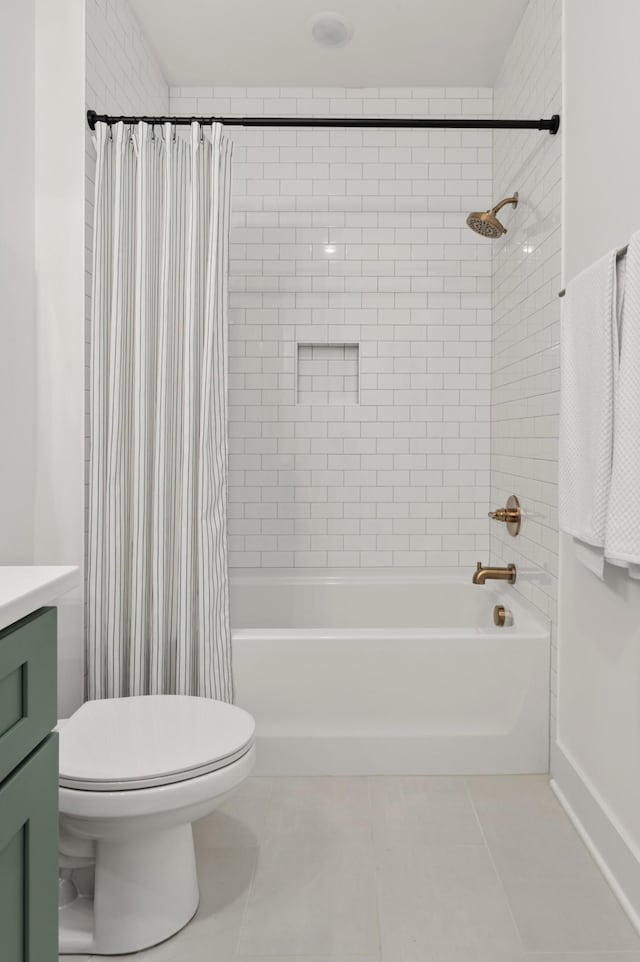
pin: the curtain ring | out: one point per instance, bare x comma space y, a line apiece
153, 133
201, 133
175, 132
111, 132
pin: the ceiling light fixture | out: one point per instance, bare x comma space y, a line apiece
331, 29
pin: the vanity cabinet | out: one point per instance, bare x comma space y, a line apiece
28, 790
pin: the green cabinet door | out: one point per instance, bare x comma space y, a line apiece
29, 858
27, 686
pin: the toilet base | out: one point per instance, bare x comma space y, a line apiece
145, 890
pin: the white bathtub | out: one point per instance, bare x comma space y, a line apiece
389, 673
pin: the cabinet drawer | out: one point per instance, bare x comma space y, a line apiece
29, 858
28, 698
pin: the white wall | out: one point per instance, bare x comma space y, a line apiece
17, 282
59, 187
597, 757
526, 311
345, 237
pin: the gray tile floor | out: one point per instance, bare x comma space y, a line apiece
484, 869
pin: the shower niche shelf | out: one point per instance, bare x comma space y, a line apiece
328, 374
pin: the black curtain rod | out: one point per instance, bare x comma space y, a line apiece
462, 123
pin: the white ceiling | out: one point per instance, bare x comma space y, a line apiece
268, 42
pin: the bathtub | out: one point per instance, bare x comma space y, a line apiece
389, 673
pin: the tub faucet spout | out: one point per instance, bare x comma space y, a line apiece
481, 575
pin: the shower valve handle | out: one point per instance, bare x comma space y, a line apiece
504, 514
510, 515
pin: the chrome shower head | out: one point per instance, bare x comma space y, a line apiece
486, 222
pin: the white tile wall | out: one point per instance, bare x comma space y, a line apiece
526, 309
358, 236
123, 75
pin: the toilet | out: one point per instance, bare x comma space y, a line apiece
134, 774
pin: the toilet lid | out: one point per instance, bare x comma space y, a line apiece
119, 744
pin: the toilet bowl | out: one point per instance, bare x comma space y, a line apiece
134, 774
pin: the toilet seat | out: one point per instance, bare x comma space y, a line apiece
125, 744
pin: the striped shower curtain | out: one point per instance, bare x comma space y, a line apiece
158, 608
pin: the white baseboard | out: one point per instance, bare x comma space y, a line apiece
605, 841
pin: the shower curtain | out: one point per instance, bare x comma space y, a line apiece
158, 608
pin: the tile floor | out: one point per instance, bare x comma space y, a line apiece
483, 869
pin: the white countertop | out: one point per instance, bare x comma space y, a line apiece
25, 588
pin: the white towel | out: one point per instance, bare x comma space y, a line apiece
589, 360
622, 543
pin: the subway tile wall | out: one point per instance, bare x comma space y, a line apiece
526, 311
122, 73
357, 237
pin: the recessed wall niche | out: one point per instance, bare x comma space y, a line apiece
328, 374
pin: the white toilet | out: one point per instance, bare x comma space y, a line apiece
134, 774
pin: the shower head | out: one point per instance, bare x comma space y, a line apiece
486, 222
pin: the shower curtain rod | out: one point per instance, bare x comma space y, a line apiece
551, 124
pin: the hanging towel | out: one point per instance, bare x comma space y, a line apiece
589, 360
622, 544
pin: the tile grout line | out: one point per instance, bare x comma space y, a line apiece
581, 954
374, 863
493, 863
251, 884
